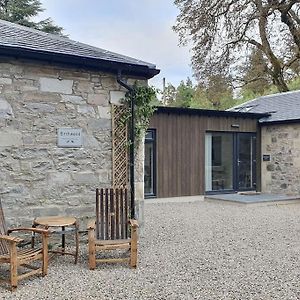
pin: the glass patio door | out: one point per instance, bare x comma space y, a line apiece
230, 161
246, 161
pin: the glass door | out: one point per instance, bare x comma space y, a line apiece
246, 161
230, 161
218, 161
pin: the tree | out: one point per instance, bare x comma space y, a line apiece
169, 95
21, 12
224, 33
255, 79
184, 93
219, 91
216, 95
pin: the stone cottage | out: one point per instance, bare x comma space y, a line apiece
280, 141
56, 117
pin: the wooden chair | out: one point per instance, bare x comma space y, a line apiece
112, 228
10, 254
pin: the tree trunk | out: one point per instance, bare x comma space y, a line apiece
288, 20
279, 81
276, 73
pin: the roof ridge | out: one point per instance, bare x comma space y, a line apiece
263, 97
279, 94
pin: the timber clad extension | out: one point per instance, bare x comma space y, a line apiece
180, 146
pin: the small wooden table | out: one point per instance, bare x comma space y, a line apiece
67, 224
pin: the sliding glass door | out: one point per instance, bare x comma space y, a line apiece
230, 161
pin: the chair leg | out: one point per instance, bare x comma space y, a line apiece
13, 267
133, 258
45, 256
92, 260
92, 251
133, 249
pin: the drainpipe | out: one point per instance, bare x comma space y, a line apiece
131, 149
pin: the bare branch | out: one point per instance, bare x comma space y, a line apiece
291, 61
294, 16
223, 33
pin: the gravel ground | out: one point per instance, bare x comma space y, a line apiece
199, 250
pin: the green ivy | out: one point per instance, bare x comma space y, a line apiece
144, 106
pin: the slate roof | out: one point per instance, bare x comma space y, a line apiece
26, 41
283, 107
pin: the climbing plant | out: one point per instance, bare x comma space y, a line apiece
145, 102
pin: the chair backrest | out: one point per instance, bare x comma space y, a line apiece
3, 231
112, 212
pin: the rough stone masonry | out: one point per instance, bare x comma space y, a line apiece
280, 174
38, 178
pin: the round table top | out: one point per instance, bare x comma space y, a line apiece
55, 221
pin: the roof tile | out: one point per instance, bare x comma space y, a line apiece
13, 35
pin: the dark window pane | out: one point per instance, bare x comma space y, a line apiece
150, 163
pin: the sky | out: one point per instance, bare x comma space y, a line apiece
138, 28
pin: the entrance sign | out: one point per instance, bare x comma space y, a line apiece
69, 137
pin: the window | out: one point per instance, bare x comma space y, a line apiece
216, 151
150, 163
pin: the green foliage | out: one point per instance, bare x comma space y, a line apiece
294, 84
48, 26
145, 103
247, 94
21, 12
256, 78
215, 95
184, 94
169, 95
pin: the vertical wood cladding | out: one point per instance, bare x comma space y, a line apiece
181, 149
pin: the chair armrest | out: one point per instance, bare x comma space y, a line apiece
11, 239
29, 229
91, 225
134, 223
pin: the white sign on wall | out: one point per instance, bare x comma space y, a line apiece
69, 137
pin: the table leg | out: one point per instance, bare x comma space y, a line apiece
76, 241
32, 236
63, 240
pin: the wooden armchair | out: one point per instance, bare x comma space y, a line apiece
10, 254
112, 229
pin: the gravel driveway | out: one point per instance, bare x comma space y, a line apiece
198, 250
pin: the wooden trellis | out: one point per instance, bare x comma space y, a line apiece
120, 165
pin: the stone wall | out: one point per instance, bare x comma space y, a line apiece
39, 178
139, 185
281, 174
